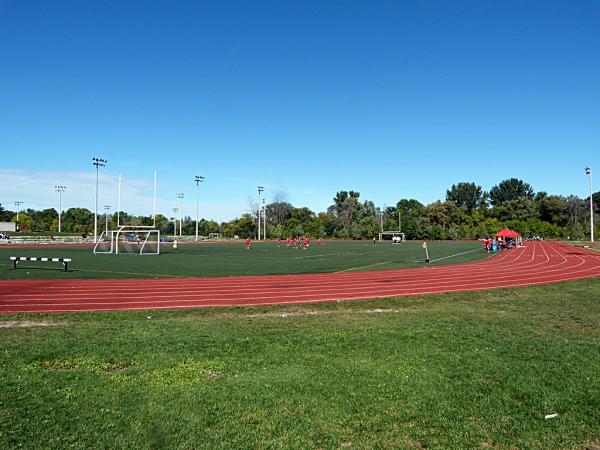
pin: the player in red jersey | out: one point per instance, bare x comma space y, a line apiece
278, 242
295, 243
306, 242
288, 241
248, 243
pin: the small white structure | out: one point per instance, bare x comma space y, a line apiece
8, 226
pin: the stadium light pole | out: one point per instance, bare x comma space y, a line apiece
381, 220
98, 162
264, 220
106, 209
18, 204
175, 210
180, 196
198, 179
260, 190
60, 190
400, 221
588, 172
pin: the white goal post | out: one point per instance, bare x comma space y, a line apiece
394, 234
141, 240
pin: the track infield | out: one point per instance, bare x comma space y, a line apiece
536, 263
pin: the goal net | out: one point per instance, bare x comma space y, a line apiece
394, 236
129, 240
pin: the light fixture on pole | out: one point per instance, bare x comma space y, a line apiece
60, 190
106, 209
98, 162
180, 196
18, 204
588, 172
198, 179
260, 191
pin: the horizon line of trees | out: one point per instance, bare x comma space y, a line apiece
468, 212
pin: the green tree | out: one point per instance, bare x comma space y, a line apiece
345, 205
510, 189
465, 194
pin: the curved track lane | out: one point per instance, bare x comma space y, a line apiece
537, 263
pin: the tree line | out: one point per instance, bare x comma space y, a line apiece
468, 212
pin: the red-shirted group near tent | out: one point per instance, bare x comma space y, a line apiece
505, 238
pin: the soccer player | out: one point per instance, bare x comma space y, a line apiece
278, 242
320, 242
295, 243
248, 243
288, 241
306, 242
175, 248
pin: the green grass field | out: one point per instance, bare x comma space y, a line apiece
227, 259
470, 370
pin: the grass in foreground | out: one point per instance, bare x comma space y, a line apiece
210, 260
476, 370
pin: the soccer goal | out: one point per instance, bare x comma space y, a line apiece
395, 236
129, 240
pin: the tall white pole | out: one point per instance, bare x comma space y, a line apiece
198, 179
180, 196
60, 190
106, 208
98, 162
18, 205
588, 171
260, 190
264, 220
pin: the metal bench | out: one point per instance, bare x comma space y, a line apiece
17, 259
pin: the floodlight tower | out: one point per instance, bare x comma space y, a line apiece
264, 220
60, 190
106, 209
180, 196
260, 191
98, 162
588, 172
175, 221
18, 204
198, 179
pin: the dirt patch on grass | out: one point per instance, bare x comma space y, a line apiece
27, 323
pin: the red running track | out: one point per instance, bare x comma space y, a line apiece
537, 263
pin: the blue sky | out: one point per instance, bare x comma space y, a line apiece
392, 99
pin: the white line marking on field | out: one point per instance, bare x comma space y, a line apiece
364, 267
456, 254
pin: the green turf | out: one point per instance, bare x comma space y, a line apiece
232, 259
475, 370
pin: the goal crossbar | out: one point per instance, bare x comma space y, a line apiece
392, 233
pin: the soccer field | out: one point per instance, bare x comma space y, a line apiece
227, 259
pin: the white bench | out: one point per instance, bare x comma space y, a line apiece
17, 259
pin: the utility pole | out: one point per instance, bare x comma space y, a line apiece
198, 179
18, 204
106, 209
98, 162
260, 190
180, 196
588, 172
60, 190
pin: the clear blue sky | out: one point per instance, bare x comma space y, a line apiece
392, 99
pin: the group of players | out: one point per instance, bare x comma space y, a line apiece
297, 242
